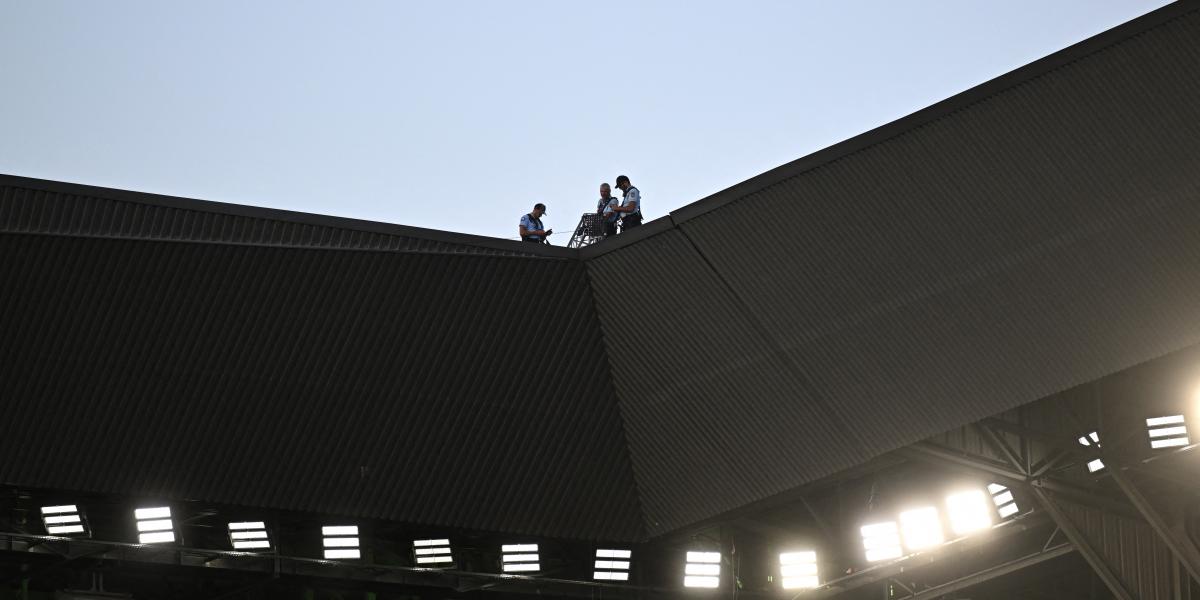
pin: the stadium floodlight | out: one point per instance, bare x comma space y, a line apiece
520, 558
1003, 498
1167, 432
1092, 439
154, 525
63, 520
340, 541
249, 535
798, 570
702, 570
432, 552
881, 541
922, 528
969, 511
612, 564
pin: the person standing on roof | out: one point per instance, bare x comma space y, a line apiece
631, 204
606, 208
531, 226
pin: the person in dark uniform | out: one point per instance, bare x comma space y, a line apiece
631, 204
606, 208
531, 228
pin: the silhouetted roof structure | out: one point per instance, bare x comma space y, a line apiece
1021, 238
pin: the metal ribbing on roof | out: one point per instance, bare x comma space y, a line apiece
462, 391
27, 209
1035, 241
714, 417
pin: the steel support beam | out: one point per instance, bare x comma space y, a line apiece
992, 573
1172, 535
1081, 543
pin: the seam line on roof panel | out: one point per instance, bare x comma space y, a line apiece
796, 370
123, 238
611, 381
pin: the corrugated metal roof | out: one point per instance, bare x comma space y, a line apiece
50, 207
1039, 239
411, 387
1022, 238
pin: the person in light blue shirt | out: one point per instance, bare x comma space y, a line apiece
631, 204
531, 228
606, 208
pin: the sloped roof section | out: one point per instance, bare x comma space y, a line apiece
404, 386
56, 208
1040, 237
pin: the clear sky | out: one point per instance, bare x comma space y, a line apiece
461, 115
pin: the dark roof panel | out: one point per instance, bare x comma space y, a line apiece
374, 384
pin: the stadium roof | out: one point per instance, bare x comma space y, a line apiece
1021, 238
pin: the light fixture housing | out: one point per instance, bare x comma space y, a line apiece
612, 564
65, 520
341, 542
798, 570
702, 569
432, 553
1002, 497
881, 541
520, 558
1167, 432
154, 525
249, 535
1092, 440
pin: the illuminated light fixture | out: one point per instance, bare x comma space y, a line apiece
340, 541
1003, 498
703, 570
612, 565
154, 525
1089, 440
922, 528
249, 535
1167, 432
63, 520
799, 570
432, 552
520, 558
969, 511
881, 541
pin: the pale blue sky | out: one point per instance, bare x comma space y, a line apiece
461, 115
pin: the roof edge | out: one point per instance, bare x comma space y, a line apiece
937, 110
243, 210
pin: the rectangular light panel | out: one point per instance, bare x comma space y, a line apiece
612, 565
1006, 506
432, 553
520, 558
968, 511
703, 570
63, 520
881, 541
249, 535
798, 570
154, 525
1092, 439
922, 528
1167, 432
340, 542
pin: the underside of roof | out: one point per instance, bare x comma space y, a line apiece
1020, 239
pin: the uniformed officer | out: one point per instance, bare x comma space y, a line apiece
606, 208
531, 226
631, 204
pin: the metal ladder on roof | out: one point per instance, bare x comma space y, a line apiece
589, 231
